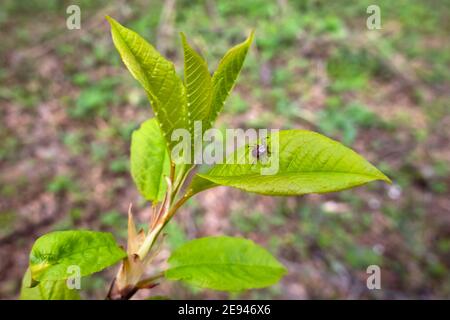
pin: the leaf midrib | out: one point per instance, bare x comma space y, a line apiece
227, 265
290, 173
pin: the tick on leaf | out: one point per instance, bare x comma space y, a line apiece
260, 150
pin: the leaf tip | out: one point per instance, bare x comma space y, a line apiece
184, 41
109, 19
112, 22
382, 177
252, 35
385, 178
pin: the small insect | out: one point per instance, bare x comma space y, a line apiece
261, 151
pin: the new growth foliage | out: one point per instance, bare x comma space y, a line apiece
308, 163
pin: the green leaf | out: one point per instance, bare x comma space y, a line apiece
149, 160
224, 263
199, 184
226, 74
53, 253
46, 290
198, 86
158, 77
308, 163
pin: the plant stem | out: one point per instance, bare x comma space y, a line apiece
177, 205
148, 243
163, 216
180, 182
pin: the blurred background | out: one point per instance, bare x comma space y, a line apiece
68, 107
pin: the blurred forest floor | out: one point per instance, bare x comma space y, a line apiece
68, 107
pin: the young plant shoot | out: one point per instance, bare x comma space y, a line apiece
164, 155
